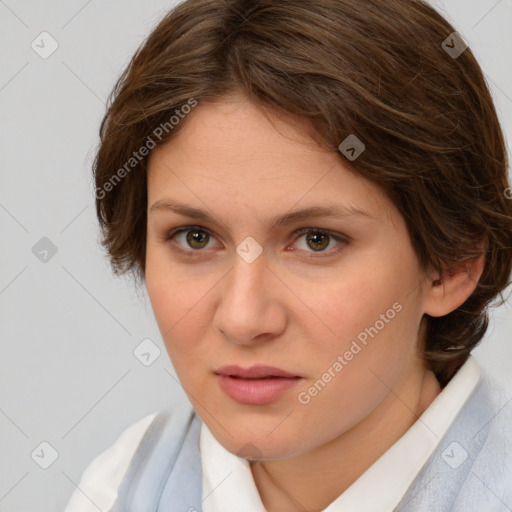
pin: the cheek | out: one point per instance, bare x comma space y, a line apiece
171, 292
180, 328
168, 295
180, 304
372, 319
355, 301
352, 377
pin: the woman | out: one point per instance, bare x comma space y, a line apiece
314, 195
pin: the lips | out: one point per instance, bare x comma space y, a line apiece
254, 372
258, 385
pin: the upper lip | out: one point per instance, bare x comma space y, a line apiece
253, 372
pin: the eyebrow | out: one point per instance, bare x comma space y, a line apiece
339, 212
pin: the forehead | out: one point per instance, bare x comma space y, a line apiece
239, 130
234, 151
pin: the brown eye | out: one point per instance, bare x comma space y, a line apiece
317, 241
197, 239
191, 239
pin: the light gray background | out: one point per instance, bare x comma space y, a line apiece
68, 328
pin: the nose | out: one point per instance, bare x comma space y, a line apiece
251, 307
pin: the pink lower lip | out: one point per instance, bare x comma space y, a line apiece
255, 391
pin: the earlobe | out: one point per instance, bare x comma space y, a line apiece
448, 291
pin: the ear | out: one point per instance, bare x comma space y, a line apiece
447, 291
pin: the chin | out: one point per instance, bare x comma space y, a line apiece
253, 448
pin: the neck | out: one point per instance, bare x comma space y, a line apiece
311, 481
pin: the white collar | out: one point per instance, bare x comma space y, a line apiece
228, 484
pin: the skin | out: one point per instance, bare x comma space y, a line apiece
293, 307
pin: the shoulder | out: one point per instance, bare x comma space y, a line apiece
100, 481
471, 467
165, 471
492, 469
495, 408
482, 445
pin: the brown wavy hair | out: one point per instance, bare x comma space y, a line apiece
368, 67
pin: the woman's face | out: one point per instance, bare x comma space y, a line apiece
332, 297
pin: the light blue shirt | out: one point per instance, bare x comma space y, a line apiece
456, 458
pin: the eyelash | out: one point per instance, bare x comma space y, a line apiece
342, 240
